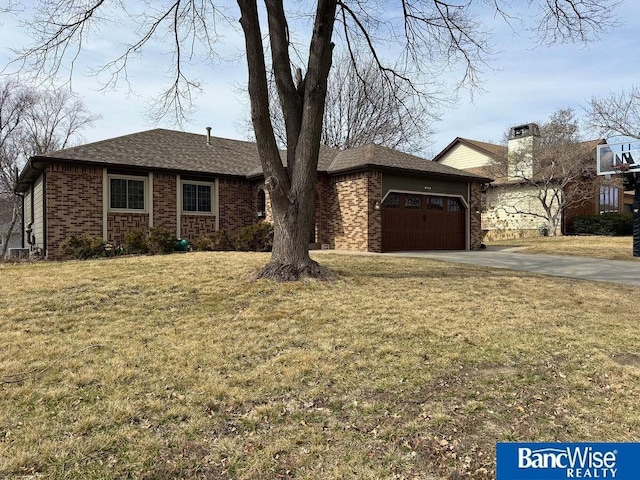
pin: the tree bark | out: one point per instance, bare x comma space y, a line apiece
292, 189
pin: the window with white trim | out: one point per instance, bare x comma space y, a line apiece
127, 193
197, 197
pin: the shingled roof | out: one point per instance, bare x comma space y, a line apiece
168, 150
162, 149
372, 156
490, 149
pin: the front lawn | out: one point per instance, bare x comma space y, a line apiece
179, 367
610, 248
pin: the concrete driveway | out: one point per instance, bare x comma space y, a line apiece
585, 268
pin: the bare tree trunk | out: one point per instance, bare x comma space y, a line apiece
292, 189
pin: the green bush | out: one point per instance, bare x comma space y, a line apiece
213, 242
161, 240
82, 247
255, 238
614, 224
135, 241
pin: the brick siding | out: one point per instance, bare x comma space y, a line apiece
374, 184
236, 205
476, 205
164, 201
353, 222
194, 226
119, 224
73, 204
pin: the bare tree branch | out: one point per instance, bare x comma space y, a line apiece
32, 122
562, 21
616, 115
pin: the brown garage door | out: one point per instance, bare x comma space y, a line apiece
420, 222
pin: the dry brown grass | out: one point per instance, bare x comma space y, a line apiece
179, 367
611, 248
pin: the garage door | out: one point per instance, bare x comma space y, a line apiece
421, 222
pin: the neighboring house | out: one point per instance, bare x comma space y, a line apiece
507, 196
369, 198
15, 240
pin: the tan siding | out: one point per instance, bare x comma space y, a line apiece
463, 157
38, 213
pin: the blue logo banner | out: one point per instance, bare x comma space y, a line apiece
554, 461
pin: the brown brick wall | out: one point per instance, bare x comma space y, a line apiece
164, 201
73, 204
119, 224
323, 213
194, 226
374, 180
476, 206
353, 223
236, 205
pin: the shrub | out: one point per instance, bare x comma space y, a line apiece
135, 241
213, 242
82, 247
616, 224
255, 238
161, 240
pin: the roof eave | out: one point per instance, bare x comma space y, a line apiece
391, 169
41, 160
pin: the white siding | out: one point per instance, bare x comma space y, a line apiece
502, 205
462, 157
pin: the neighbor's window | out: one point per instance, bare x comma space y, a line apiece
126, 193
609, 197
196, 197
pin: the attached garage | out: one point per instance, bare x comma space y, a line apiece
416, 221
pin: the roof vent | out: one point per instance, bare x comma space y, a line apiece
208, 135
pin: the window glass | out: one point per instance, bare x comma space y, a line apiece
435, 203
392, 201
196, 198
118, 193
262, 201
189, 195
412, 201
454, 205
127, 194
135, 194
609, 199
204, 198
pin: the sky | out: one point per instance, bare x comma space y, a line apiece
525, 83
